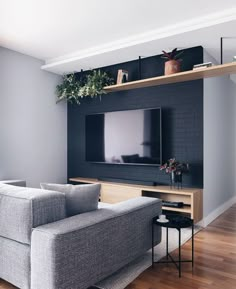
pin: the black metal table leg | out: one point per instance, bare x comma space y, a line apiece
152, 245
192, 245
167, 243
179, 252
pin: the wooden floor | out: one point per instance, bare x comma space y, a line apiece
215, 261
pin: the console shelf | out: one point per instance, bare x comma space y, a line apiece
212, 71
112, 192
185, 209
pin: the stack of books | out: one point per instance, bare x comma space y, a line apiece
202, 65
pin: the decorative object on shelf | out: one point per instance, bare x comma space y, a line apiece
172, 64
176, 178
73, 88
202, 65
175, 169
122, 76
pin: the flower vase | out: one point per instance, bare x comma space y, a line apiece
176, 179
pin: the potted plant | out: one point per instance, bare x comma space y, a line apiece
175, 169
172, 65
73, 88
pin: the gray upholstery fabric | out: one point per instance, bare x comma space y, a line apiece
15, 263
63, 188
79, 251
22, 209
102, 205
79, 198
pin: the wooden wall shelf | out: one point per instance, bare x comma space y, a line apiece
217, 70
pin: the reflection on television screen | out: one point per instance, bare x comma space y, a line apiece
124, 137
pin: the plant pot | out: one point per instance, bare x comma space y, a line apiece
172, 66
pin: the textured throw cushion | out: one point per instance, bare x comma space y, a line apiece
79, 198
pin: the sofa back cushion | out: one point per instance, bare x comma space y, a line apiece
22, 209
79, 198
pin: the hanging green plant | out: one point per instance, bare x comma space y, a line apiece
68, 89
73, 89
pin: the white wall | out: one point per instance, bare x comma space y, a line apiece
219, 145
33, 128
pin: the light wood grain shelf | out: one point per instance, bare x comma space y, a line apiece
184, 209
112, 192
217, 70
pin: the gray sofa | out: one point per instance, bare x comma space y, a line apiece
42, 248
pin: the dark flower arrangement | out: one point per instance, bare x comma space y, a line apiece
175, 166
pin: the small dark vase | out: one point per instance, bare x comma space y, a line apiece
176, 179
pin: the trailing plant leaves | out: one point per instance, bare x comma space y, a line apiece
73, 89
68, 89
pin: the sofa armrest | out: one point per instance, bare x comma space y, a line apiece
81, 250
22, 209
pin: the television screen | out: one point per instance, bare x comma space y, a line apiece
124, 137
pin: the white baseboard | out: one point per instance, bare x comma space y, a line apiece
217, 212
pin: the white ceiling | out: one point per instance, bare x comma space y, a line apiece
74, 34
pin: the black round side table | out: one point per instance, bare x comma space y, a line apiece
177, 222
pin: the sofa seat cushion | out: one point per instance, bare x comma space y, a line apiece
22, 209
79, 198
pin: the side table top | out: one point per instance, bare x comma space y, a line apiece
175, 221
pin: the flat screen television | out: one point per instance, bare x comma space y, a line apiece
131, 137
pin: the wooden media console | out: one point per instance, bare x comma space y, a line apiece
112, 192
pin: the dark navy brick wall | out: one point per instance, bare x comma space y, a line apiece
182, 122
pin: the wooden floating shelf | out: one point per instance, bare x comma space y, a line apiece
212, 71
